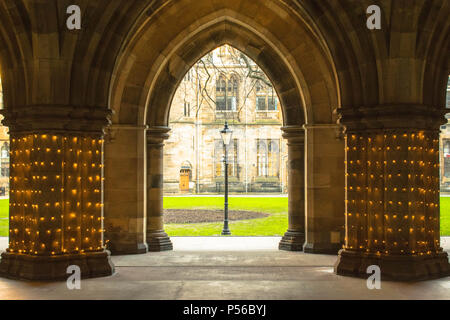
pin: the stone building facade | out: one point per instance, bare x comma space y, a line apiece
445, 148
4, 153
217, 89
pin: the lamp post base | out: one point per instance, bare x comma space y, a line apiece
226, 233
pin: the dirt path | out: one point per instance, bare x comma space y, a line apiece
201, 215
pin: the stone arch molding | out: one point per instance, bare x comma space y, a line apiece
293, 57
387, 84
161, 47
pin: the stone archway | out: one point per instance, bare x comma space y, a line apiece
304, 77
386, 85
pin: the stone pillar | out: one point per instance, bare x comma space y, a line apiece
325, 204
157, 239
294, 238
56, 193
125, 205
392, 193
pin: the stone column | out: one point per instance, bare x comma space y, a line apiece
392, 193
157, 239
325, 204
294, 238
125, 205
56, 193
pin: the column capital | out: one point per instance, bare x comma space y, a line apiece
294, 134
157, 135
392, 117
130, 127
336, 127
113, 130
57, 119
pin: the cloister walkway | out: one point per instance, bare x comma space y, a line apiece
225, 268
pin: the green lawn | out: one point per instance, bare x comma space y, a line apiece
275, 224
445, 216
4, 210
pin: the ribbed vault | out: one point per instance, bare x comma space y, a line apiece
293, 56
43, 62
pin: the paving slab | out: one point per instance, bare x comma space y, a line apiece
243, 268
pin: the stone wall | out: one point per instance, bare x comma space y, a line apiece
195, 133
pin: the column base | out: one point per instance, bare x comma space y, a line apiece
322, 248
45, 268
292, 241
118, 248
158, 241
396, 268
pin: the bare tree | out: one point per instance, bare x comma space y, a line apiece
213, 65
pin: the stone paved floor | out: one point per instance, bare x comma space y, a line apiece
229, 269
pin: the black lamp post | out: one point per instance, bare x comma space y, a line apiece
226, 134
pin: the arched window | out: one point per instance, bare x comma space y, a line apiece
273, 158
232, 93
446, 148
446, 164
268, 158
261, 158
218, 158
4, 154
233, 160
227, 93
266, 98
5, 151
221, 89
220, 85
261, 103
